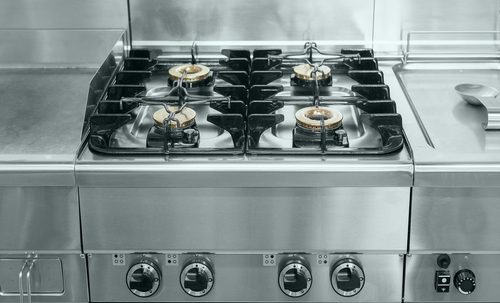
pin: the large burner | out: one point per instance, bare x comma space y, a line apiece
305, 72
310, 117
191, 72
186, 117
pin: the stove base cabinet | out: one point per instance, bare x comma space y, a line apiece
255, 277
341, 244
43, 278
453, 277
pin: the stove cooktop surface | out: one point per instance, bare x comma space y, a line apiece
259, 102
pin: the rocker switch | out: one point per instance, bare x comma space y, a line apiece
442, 281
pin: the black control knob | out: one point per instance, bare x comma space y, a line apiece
295, 278
347, 277
197, 278
143, 278
465, 281
443, 261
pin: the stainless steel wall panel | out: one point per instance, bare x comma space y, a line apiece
243, 219
39, 219
395, 18
257, 23
243, 278
420, 271
56, 48
455, 220
63, 14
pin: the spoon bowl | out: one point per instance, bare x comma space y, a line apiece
472, 93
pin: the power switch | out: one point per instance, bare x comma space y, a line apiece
442, 281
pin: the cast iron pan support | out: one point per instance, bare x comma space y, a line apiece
234, 124
258, 123
103, 126
390, 129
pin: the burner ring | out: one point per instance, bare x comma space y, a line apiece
304, 72
310, 117
186, 117
194, 72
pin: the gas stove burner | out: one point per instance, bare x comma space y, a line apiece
303, 75
310, 118
182, 119
181, 132
305, 72
191, 72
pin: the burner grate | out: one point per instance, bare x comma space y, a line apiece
123, 123
368, 104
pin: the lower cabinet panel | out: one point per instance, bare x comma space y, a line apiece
46, 278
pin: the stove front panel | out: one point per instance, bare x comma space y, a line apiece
39, 219
455, 220
360, 219
244, 278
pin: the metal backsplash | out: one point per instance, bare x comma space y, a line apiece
56, 48
251, 23
63, 14
394, 19
383, 24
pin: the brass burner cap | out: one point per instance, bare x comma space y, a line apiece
304, 72
193, 72
186, 117
310, 117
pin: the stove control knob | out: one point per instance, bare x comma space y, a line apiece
443, 261
295, 279
347, 277
465, 281
143, 279
197, 278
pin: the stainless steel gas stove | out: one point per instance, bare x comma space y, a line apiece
250, 175
308, 153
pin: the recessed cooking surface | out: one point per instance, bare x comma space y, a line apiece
260, 102
451, 124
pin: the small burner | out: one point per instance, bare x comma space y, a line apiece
304, 72
186, 117
191, 72
310, 118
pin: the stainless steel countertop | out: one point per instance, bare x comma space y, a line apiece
251, 170
450, 146
43, 103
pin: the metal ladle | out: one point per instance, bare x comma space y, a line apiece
478, 94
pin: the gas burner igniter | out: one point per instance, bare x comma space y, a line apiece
340, 138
